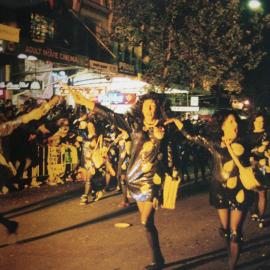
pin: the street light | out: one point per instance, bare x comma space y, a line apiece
255, 5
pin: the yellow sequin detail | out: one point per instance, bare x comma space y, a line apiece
145, 188
87, 144
124, 166
147, 167
262, 162
228, 166
159, 132
240, 197
148, 146
157, 179
232, 182
238, 149
261, 149
79, 138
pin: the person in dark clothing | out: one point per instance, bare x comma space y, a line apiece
258, 140
124, 145
6, 128
227, 192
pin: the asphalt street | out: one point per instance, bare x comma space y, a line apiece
55, 232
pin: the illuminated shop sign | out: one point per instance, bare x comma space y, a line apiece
22, 85
126, 68
194, 101
9, 33
185, 108
54, 55
117, 98
105, 67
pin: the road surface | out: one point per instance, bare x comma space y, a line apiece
55, 232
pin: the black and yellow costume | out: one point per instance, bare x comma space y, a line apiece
260, 154
148, 156
124, 156
226, 190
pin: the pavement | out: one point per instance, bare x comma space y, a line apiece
55, 232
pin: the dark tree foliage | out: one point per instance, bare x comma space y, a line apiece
193, 43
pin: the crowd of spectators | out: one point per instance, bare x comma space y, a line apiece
50, 150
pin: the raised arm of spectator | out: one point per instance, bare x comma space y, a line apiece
7, 128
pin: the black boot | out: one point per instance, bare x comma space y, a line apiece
224, 233
153, 240
155, 265
12, 227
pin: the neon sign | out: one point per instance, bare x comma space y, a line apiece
117, 98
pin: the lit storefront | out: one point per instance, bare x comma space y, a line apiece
104, 83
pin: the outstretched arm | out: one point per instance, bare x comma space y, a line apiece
193, 138
115, 118
79, 98
8, 127
42, 110
176, 121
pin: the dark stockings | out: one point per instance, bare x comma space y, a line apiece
231, 220
18, 177
153, 240
124, 189
147, 219
261, 202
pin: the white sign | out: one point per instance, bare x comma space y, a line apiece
194, 101
109, 68
23, 85
185, 108
40, 71
126, 68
